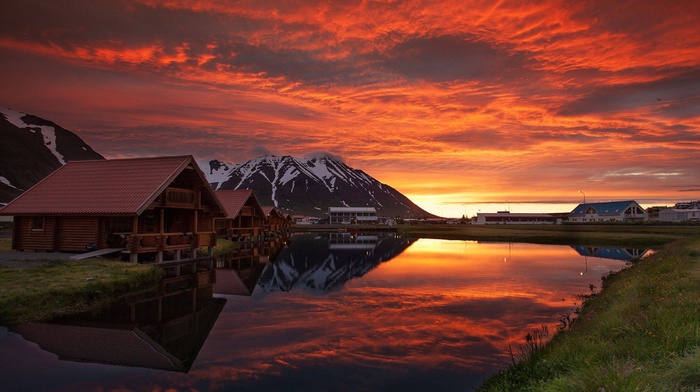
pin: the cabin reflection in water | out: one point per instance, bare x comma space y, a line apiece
238, 271
164, 331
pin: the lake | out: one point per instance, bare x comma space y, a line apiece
331, 312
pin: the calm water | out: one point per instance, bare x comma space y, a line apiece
331, 313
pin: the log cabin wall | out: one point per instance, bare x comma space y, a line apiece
76, 233
27, 237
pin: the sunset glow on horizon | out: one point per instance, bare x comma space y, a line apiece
463, 106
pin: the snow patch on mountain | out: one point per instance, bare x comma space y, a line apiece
7, 182
48, 132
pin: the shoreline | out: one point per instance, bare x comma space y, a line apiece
640, 332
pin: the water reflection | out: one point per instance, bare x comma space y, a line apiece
325, 262
625, 254
238, 271
334, 313
162, 332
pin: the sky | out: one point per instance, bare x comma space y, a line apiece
463, 106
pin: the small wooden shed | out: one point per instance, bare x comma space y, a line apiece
143, 205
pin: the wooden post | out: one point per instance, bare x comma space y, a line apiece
134, 256
162, 221
160, 310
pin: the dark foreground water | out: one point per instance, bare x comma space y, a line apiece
340, 312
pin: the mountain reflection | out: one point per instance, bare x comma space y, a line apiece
325, 262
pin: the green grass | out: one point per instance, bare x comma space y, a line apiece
641, 333
64, 287
5, 244
222, 246
642, 236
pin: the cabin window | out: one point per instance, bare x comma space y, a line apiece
150, 223
37, 223
185, 197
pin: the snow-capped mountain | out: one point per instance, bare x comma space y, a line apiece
314, 262
31, 149
308, 186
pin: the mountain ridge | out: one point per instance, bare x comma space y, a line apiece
33, 148
309, 185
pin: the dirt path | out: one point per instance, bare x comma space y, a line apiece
30, 259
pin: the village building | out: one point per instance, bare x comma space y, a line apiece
305, 220
352, 215
614, 211
677, 215
140, 206
245, 219
276, 221
508, 218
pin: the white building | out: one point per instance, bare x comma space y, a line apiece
679, 215
614, 211
352, 215
508, 218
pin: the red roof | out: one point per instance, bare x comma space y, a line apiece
269, 209
234, 200
102, 187
126, 347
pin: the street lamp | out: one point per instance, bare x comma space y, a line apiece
584, 196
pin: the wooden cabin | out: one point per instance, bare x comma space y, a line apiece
245, 218
142, 205
275, 221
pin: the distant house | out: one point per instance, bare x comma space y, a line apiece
143, 205
508, 218
304, 220
352, 215
679, 215
615, 211
245, 217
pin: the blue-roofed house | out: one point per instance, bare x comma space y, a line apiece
614, 211
611, 253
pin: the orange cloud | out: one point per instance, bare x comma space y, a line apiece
473, 97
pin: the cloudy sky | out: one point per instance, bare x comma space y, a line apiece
454, 103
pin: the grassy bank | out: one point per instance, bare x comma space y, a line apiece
641, 333
60, 287
642, 236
